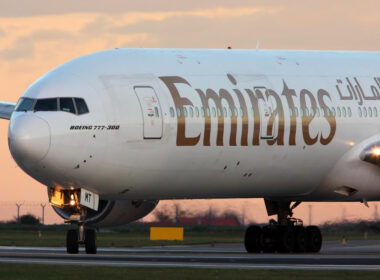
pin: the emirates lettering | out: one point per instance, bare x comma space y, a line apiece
275, 124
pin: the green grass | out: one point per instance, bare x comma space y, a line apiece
23, 271
113, 239
57, 238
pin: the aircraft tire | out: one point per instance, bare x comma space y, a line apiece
90, 241
299, 239
269, 239
72, 246
253, 239
313, 239
285, 239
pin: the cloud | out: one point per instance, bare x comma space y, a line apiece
21, 48
55, 7
117, 24
24, 47
2, 32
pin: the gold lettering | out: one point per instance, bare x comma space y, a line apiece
289, 93
179, 102
328, 116
307, 118
279, 112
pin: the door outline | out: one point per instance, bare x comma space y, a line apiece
154, 130
266, 109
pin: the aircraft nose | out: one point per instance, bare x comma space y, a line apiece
29, 139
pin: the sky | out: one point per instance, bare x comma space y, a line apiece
36, 36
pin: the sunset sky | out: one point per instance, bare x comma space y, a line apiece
38, 35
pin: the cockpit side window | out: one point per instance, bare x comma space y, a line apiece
25, 104
81, 106
67, 105
48, 104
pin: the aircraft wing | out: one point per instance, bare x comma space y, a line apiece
6, 109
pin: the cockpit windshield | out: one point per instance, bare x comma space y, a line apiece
71, 105
48, 104
25, 104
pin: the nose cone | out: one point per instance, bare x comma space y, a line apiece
29, 139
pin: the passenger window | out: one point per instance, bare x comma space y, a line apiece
49, 104
203, 112
25, 104
360, 112
370, 112
172, 112
178, 112
66, 105
185, 112
349, 112
365, 112
197, 112
81, 106
333, 111
191, 112
338, 111
344, 111
375, 111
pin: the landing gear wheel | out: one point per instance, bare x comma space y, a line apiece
300, 239
252, 240
314, 239
72, 245
269, 239
285, 240
90, 241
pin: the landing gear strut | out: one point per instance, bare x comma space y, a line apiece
286, 235
81, 235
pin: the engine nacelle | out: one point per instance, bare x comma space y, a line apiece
112, 213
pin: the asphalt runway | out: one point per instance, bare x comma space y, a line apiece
355, 255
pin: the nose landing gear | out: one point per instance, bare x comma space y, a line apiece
286, 235
81, 235
74, 237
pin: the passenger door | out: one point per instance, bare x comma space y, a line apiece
151, 112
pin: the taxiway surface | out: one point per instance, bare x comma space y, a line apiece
354, 255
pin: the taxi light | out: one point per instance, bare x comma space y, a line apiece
72, 200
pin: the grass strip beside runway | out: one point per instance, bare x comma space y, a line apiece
113, 239
56, 272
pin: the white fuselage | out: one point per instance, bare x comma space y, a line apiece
166, 124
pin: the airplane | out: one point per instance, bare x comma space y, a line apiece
113, 132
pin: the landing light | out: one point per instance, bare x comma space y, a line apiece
376, 151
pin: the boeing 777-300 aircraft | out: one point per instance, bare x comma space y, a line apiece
112, 133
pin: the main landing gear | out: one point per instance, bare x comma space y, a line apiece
81, 235
287, 235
